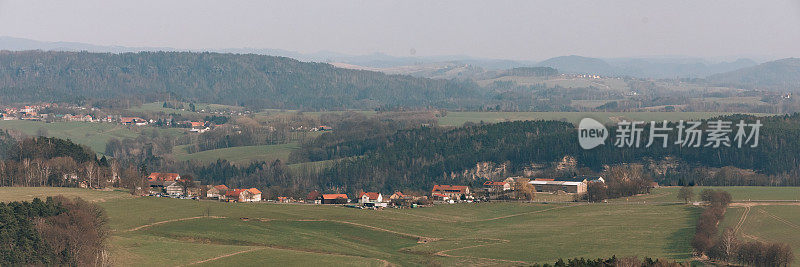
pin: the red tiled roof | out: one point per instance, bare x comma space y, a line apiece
490, 183
234, 193
333, 196
221, 187
197, 124
462, 189
130, 119
439, 195
163, 176
254, 191
371, 195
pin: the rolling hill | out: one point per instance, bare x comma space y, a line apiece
233, 79
780, 75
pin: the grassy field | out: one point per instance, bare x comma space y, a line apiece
160, 231
28, 193
739, 193
455, 118
239, 155
94, 135
766, 223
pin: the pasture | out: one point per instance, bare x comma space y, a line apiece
238, 155
738, 193
161, 231
94, 135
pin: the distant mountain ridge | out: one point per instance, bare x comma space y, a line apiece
780, 75
644, 67
440, 67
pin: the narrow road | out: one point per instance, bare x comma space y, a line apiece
742, 219
224, 256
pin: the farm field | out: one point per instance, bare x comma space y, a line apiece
455, 118
94, 135
239, 155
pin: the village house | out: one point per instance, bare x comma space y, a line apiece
216, 191
174, 188
496, 187
255, 195
237, 195
242, 195
334, 199
199, 127
454, 192
371, 199
399, 195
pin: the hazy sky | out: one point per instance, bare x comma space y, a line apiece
492, 29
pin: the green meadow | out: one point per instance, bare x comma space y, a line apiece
94, 135
238, 155
161, 231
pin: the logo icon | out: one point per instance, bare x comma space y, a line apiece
591, 133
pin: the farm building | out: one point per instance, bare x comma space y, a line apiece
334, 199
159, 181
315, 197
451, 191
549, 185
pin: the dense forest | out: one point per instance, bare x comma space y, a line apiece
247, 80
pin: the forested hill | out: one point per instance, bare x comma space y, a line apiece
418, 158
250, 80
